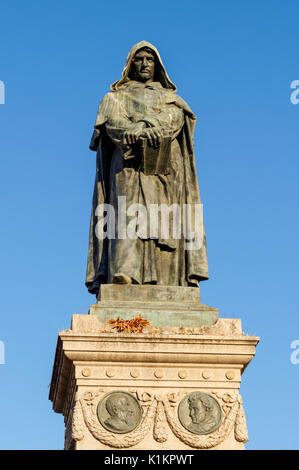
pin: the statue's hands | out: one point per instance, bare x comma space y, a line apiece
153, 135
132, 135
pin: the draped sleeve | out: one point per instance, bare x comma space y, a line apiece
112, 115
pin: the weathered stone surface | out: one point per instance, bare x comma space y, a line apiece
159, 369
149, 293
223, 327
162, 306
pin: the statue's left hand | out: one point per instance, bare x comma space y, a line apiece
153, 135
132, 135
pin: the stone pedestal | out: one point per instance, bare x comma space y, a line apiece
173, 386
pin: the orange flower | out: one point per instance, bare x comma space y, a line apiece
134, 325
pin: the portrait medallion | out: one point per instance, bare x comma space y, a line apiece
199, 413
119, 412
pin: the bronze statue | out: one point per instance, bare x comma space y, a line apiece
143, 136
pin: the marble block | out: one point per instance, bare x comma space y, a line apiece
173, 386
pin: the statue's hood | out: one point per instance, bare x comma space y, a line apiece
160, 74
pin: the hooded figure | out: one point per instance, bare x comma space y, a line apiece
143, 111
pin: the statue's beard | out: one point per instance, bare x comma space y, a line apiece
123, 416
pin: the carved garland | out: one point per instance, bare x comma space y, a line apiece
88, 405
159, 410
202, 441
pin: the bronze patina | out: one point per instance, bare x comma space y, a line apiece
143, 137
199, 413
119, 412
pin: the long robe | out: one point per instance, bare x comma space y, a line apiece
145, 259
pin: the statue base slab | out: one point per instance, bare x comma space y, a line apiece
160, 305
169, 387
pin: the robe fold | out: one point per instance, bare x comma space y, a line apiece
145, 258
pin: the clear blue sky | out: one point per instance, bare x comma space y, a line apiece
233, 62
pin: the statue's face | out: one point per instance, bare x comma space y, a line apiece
197, 413
123, 410
143, 66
